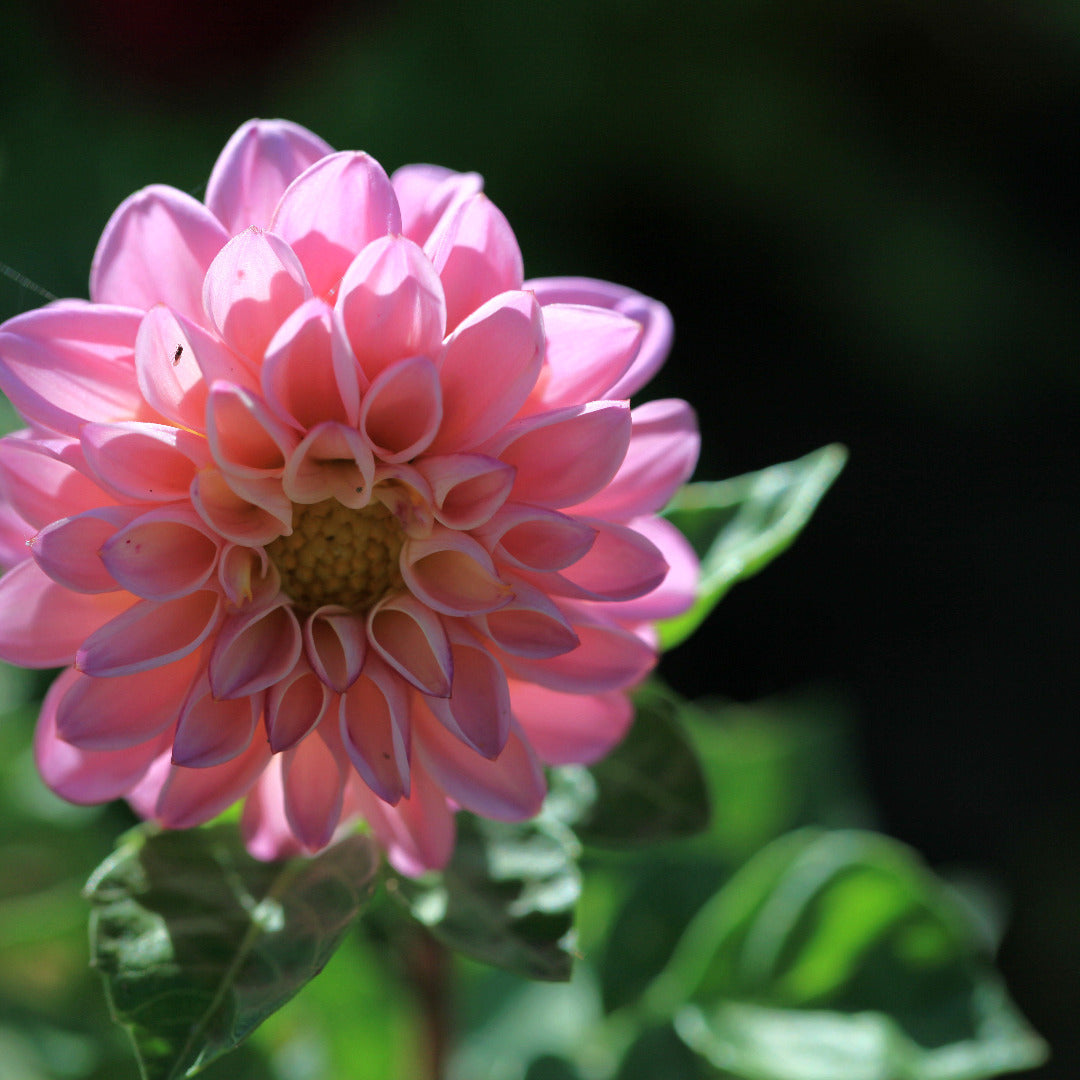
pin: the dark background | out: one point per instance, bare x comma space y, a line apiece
864, 217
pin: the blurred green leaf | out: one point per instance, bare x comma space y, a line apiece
838, 956
740, 525
507, 896
650, 787
198, 943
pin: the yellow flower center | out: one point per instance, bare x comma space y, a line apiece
335, 555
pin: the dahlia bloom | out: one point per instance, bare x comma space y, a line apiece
321, 506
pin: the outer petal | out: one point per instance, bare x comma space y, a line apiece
530, 625
258, 163
212, 731
149, 634
588, 350
247, 441
64, 365
156, 249
254, 283
308, 374
510, 788
68, 550
313, 775
44, 481
410, 638
190, 797
475, 254
661, 456
374, 728
532, 538
253, 650
264, 826
176, 361
390, 305
15, 536
487, 369
453, 574
42, 624
678, 591
162, 555
418, 833
564, 456
428, 193
110, 714
334, 209
144, 462
402, 409
87, 776
653, 315
569, 729
467, 488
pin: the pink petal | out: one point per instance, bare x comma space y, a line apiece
487, 369
453, 574
110, 714
478, 708
653, 315
335, 643
68, 550
247, 576
476, 255
259, 162
62, 366
564, 456
678, 591
510, 788
570, 729
533, 538
608, 658
621, 565
410, 638
313, 778
390, 305
87, 776
42, 624
294, 705
246, 439
332, 462
256, 517
407, 495
401, 410
147, 462
253, 650
588, 349
15, 535
530, 625
427, 193
663, 451
212, 731
333, 210
418, 833
263, 823
254, 283
149, 634
374, 727
161, 555
308, 374
176, 361
191, 797
467, 488
156, 249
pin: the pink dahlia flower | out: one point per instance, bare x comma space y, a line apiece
321, 506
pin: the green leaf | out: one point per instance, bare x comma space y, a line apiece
507, 896
198, 942
838, 956
650, 787
738, 526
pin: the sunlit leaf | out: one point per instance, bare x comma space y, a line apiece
738, 526
650, 787
838, 956
507, 897
198, 943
